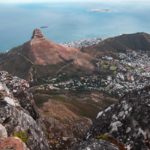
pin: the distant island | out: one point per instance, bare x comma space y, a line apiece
43, 27
100, 10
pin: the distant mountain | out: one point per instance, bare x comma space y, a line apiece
137, 41
40, 57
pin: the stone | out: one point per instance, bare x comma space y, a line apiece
12, 143
3, 132
37, 34
94, 144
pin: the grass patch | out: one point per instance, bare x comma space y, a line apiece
23, 135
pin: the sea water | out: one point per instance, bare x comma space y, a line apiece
71, 21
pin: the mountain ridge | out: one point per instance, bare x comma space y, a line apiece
135, 41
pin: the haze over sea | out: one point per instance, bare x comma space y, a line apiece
70, 21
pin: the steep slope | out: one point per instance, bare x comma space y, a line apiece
125, 123
19, 117
136, 41
23, 125
40, 57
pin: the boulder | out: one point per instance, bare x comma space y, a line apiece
12, 143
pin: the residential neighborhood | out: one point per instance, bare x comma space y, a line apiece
115, 76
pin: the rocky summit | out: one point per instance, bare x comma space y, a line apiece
125, 124
20, 127
37, 34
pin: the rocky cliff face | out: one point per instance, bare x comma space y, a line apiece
18, 116
125, 124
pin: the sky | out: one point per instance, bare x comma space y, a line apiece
45, 1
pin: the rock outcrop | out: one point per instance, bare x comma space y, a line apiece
19, 89
127, 123
18, 117
95, 144
37, 34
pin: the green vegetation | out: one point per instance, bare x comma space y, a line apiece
103, 137
23, 135
105, 66
73, 100
113, 68
129, 68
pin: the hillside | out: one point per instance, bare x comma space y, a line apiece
136, 41
41, 57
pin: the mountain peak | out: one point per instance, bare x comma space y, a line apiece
37, 34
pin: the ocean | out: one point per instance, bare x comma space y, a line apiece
71, 21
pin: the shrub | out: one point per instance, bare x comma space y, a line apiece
23, 135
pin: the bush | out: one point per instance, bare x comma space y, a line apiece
23, 135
